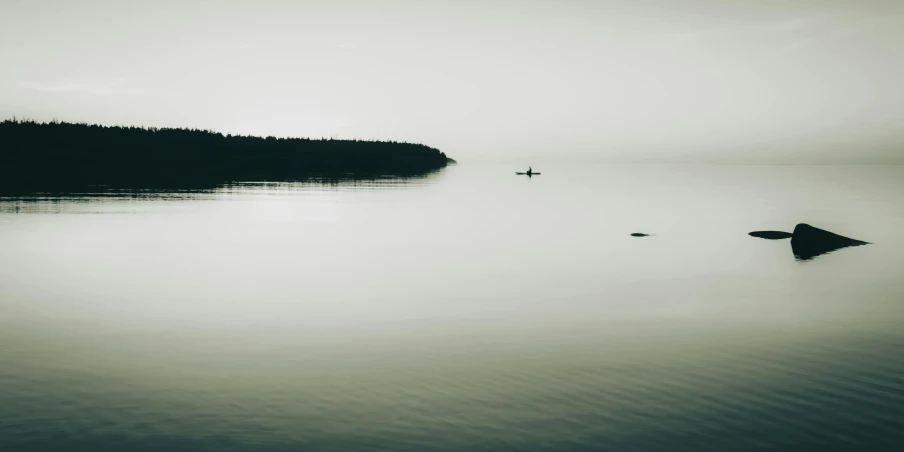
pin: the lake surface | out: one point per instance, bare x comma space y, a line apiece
472, 310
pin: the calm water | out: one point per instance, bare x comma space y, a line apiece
474, 310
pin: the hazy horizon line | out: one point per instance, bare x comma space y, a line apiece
568, 156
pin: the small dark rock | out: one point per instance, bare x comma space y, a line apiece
771, 235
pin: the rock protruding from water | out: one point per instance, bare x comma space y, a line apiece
808, 242
771, 235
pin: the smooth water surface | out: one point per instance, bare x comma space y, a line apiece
474, 310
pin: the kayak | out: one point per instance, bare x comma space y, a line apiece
526, 174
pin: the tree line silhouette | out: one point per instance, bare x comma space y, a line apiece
47, 156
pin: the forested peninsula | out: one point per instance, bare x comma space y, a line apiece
36, 155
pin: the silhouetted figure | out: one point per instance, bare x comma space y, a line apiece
529, 171
808, 242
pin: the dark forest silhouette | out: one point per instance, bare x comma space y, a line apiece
60, 156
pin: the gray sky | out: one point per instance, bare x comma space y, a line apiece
726, 80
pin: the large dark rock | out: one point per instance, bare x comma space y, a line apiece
808, 242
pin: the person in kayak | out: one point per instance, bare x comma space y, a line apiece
529, 171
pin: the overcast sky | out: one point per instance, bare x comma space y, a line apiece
766, 80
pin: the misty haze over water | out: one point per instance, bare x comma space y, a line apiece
662, 279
